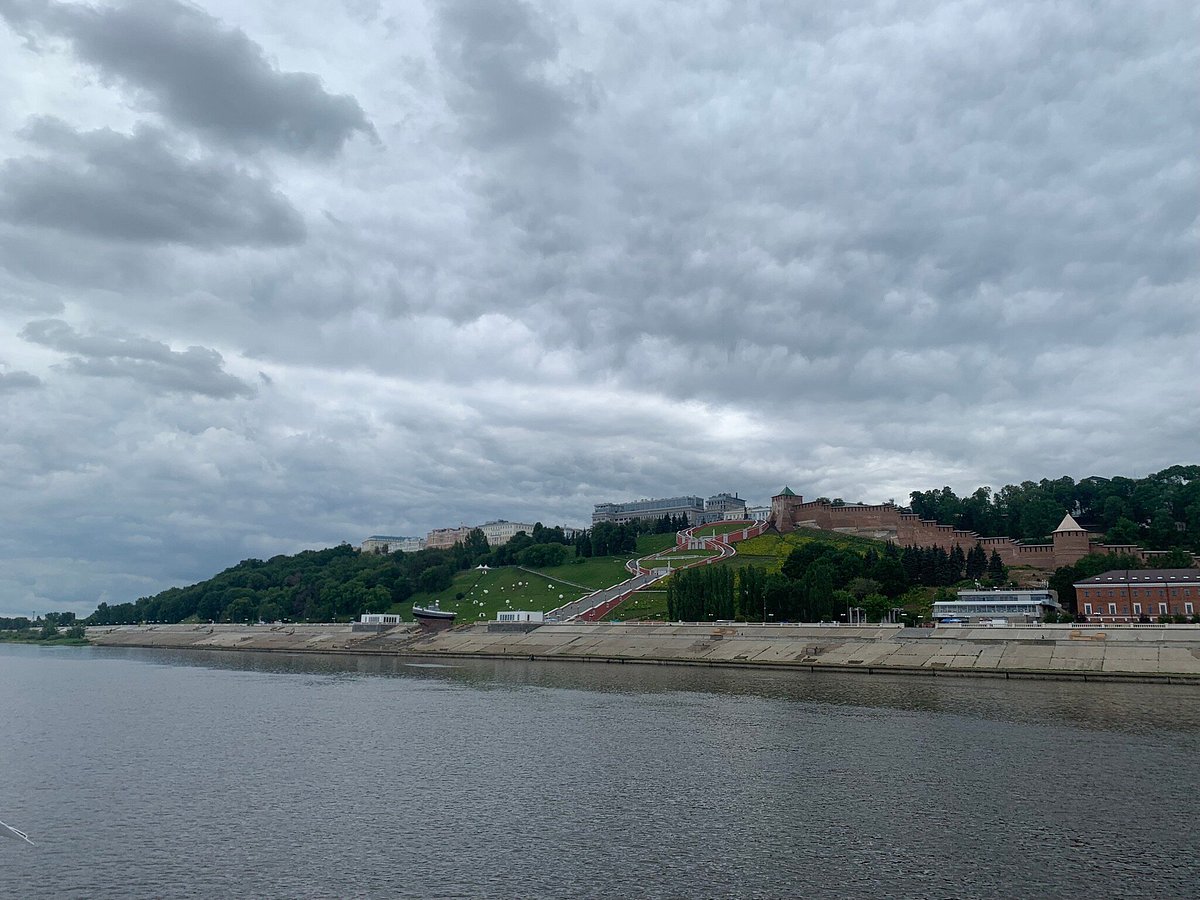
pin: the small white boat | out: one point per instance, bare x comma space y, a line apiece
9, 831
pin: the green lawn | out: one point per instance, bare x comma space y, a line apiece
770, 550
677, 552
722, 528
487, 592
643, 605
595, 572
654, 543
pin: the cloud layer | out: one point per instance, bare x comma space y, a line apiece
276, 277
198, 73
116, 187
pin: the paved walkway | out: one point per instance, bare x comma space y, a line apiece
600, 603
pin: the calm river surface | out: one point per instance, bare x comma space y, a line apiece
145, 773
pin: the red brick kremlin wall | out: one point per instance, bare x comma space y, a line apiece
789, 510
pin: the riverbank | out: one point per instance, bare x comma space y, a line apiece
34, 637
1161, 654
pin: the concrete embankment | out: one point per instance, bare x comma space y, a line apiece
1170, 654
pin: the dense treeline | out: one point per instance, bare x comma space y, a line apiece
821, 581
707, 592
46, 627
316, 586
1160, 511
611, 539
341, 583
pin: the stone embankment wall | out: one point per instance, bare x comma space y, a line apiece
1170, 653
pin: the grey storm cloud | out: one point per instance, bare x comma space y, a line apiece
201, 75
138, 188
196, 370
502, 52
18, 381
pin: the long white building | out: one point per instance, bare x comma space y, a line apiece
501, 531
1016, 606
385, 543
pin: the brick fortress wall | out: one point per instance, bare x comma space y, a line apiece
886, 521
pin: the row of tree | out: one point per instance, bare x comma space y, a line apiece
1160, 511
602, 539
315, 585
935, 566
612, 539
822, 581
44, 627
703, 593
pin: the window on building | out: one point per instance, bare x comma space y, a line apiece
1162, 609
1112, 609
1087, 609
1187, 608
1137, 609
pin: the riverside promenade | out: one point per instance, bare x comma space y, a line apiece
1161, 654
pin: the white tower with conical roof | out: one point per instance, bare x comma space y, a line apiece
1071, 542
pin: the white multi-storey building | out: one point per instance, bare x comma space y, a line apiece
1014, 605
501, 531
690, 507
385, 543
722, 507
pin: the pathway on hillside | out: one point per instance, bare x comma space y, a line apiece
596, 605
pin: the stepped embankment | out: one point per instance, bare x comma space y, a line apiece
1162, 654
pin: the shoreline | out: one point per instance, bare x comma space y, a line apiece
1048, 653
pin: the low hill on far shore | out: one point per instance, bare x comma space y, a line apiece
340, 583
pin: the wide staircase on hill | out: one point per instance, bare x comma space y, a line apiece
645, 572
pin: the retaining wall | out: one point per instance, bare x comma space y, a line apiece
1169, 653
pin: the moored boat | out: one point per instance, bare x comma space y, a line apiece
432, 615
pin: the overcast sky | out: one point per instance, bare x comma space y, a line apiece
277, 275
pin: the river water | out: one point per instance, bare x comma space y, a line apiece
146, 773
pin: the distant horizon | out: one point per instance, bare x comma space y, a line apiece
82, 608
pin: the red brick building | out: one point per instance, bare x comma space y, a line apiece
1128, 595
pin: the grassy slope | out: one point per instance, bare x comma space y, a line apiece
720, 528
770, 550
486, 593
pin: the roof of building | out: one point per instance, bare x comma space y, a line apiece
1144, 576
1068, 524
786, 492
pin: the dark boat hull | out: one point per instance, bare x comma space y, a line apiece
434, 618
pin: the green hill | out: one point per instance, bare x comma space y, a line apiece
340, 583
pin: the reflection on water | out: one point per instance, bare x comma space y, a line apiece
173, 773
1116, 706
